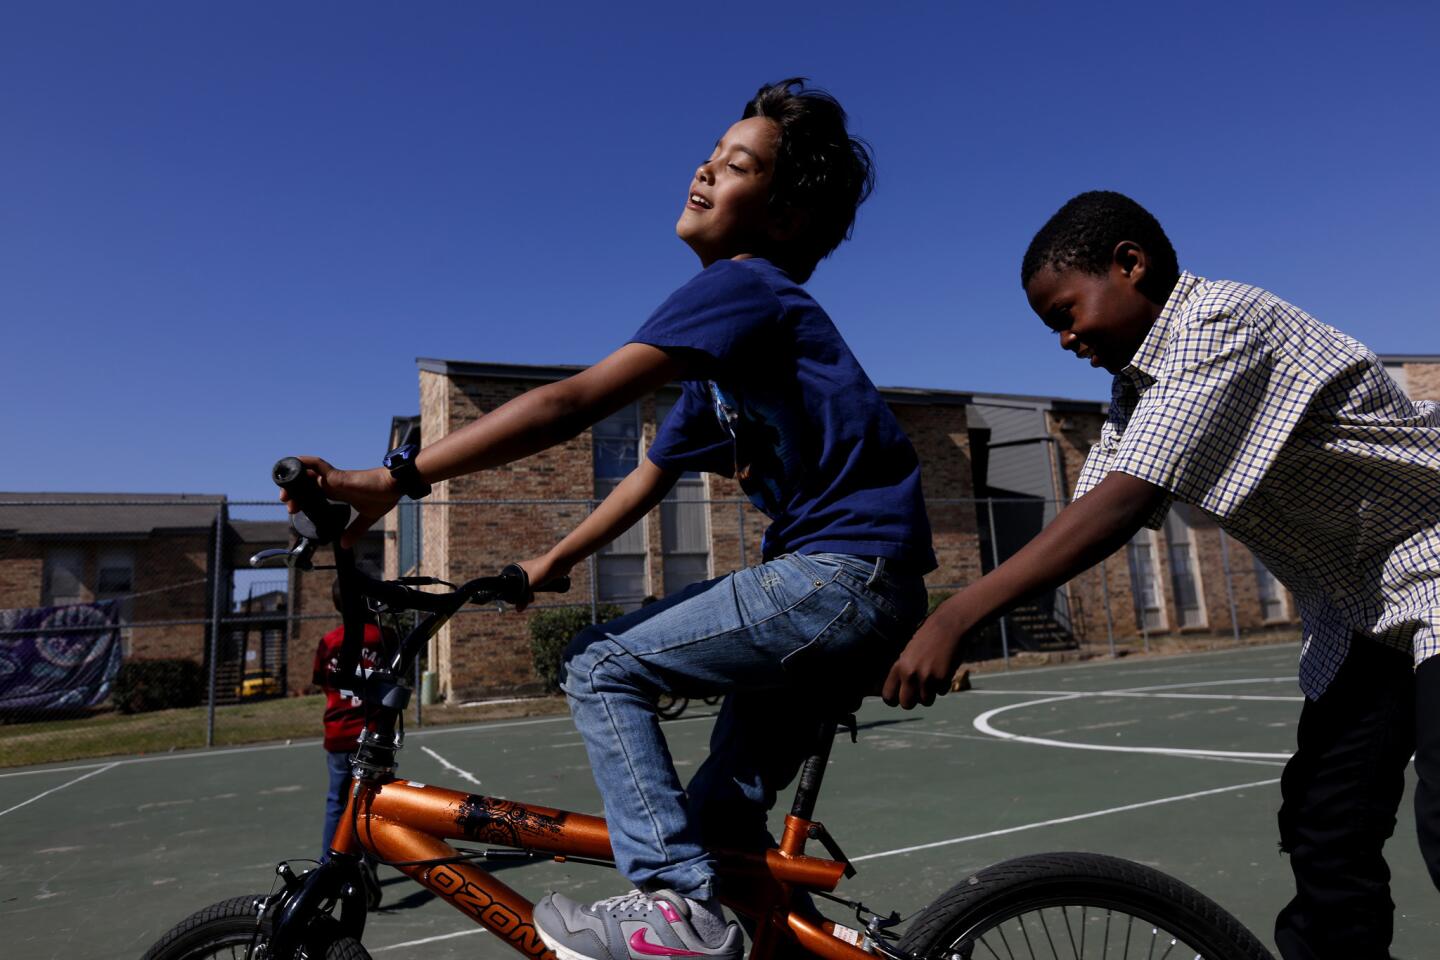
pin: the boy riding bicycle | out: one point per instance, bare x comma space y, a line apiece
1292, 436
772, 395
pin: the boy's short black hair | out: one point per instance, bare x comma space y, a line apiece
1083, 234
819, 168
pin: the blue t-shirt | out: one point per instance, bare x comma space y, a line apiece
781, 404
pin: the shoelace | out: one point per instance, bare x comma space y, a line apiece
626, 901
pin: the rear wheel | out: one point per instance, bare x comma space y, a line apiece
1071, 905
227, 931
670, 706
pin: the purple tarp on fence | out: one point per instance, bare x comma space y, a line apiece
68, 661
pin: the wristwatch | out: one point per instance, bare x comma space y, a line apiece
401, 464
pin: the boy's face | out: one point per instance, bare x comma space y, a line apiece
1102, 318
727, 207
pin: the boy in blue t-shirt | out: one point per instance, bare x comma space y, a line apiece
773, 396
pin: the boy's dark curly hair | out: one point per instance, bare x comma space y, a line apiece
1083, 234
820, 168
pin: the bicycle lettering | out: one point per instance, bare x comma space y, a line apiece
489, 911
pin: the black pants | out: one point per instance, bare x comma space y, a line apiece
1340, 794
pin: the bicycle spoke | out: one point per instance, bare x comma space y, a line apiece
1045, 925
987, 946
1074, 950
1008, 951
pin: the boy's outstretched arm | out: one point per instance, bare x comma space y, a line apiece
635, 496
534, 421
1084, 533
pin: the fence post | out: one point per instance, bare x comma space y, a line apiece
740, 532
594, 582
995, 562
217, 601
417, 518
1109, 620
1229, 586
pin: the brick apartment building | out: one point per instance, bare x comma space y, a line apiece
996, 468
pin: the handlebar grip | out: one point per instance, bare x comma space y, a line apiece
328, 519
515, 582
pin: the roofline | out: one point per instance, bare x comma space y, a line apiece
1408, 357
903, 395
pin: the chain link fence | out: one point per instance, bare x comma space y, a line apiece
133, 625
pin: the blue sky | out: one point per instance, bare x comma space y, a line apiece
227, 231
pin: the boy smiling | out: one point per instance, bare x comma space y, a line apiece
772, 395
1295, 440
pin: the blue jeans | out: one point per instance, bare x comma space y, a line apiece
786, 642
338, 763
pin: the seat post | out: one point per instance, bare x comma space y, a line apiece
812, 772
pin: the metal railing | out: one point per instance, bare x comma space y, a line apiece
176, 591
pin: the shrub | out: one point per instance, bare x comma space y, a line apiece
143, 685
551, 632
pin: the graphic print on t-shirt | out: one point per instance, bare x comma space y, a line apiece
767, 461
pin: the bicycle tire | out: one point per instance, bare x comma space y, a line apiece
669, 706
970, 921
227, 929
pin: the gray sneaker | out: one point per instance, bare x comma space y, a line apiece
634, 926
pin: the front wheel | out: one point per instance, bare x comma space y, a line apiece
228, 930
1071, 905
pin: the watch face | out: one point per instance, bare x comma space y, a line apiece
398, 457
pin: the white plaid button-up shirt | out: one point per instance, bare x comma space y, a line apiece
1299, 444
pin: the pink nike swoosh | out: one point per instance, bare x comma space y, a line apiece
640, 944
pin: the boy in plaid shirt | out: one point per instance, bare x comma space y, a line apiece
1295, 440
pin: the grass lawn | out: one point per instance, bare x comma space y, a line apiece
285, 718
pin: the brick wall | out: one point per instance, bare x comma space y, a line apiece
941, 437
22, 569
1423, 380
169, 575
166, 562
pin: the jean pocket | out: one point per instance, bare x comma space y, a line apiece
832, 641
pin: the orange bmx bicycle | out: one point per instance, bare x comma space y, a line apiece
1065, 906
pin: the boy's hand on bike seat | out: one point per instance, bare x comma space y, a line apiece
373, 493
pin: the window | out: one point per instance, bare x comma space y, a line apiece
408, 530
1273, 605
1184, 567
684, 525
1145, 581
619, 566
64, 577
115, 579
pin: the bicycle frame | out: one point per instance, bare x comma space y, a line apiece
406, 824
402, 822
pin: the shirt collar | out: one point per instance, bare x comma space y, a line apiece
1146, 361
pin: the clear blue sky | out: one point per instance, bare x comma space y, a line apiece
228, 230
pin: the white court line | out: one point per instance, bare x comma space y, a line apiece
1119, 694
416, 943
202, 753
983, 724
1155, 661
463, 774
967, 736
1210, 683
1060, 820
61, 787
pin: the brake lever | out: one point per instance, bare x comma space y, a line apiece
297, 557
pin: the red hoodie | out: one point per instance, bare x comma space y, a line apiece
344, 714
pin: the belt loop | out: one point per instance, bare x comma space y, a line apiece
877, 573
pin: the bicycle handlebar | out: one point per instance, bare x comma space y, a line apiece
327, 519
